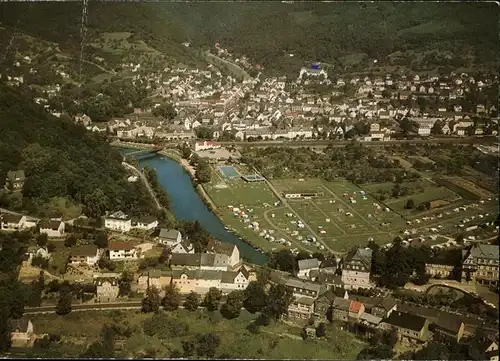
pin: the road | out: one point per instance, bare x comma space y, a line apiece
145, 181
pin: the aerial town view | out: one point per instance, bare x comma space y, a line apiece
249, 180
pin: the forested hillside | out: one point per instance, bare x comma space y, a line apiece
61, 159
416, 35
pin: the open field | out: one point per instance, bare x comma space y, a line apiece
79, 329
341, 214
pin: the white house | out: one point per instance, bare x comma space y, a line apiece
146, 223
11, 222
169, 237
234, 281
231, 251
205, 146
122, 251
88, 254
53, 228
306, 266
356, 269
118, 221
185, 246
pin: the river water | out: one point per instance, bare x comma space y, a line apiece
187, 204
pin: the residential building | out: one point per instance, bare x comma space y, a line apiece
157, 278
324, 302
356, 269
107, 288
169, 237
303, 288
22, 333
197, 261
122, 251
483, 350
146, 223
118, 221
356, 309
384, 306
301, 307
234, 281
15, 180
340, 309
11, 222
53, 228
438, 270
481, 264
185, 246
409, 326
369, 319
88, 254
306, 266
227, 252
448, 328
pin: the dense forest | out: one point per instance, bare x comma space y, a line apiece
61, 159
417, 35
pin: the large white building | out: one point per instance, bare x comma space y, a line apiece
205, 146
54, 228
118, 221
356, 269
122, 251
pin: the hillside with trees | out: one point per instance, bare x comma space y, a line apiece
61, 161
349, 36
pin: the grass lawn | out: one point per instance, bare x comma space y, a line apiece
431, 193
57, 264
79, 329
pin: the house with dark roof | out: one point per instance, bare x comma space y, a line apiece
145, 222
194, 261
483, 350
169, 237
15, 180
356, 269
340, 309
22, 333
448, 328
88, 254
12, 222
184, 246
384, 307
53, 228
225, 251
301, 307
324, 302
304, 288
306, 266
410, 327
107, 288
481, 264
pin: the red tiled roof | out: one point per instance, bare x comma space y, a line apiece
355, 306
117, 245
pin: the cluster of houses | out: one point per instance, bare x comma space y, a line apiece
328, 292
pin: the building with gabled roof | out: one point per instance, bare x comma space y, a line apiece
306, 266
87, 254
107, 288
53, 228
227, 252
356, 269
408, 326
21, 332
122, 251
169, 237
480, 264
118, 221
448, 328
15, 180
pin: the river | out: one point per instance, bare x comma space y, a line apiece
187, 204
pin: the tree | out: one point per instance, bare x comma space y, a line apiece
255, 297
188, 348
278, 301
70, 241
51, 247
232, 307
410, 204
186, 151
42, 239
172, 299
96, 203
152, 301
125, 284
108, 337
192, 301
207, 344
63, 306
101, 240
378, 352
321, 330
212, 299
165, 110
283, 260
